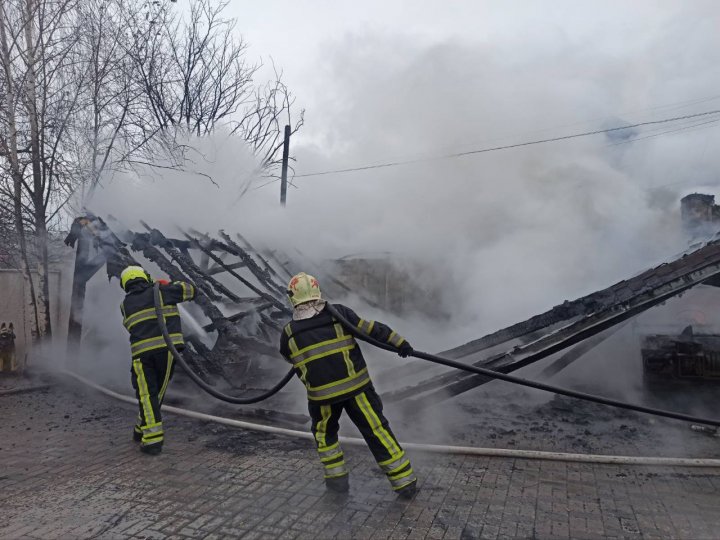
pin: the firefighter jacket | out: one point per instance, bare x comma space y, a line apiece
138, 309
326, 356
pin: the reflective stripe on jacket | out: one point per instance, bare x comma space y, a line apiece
327, 357
139, 319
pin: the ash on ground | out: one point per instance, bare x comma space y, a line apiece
499, 417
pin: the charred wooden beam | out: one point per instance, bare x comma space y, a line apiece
634, 296
246, 344
230, 342
244, 281
152, 253
249, 247
187, 264
261, 274
96, 246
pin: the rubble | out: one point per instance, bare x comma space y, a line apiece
250, 291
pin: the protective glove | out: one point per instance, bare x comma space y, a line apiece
405, 349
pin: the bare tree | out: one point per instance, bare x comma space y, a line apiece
37, 47
91, 85
195, 75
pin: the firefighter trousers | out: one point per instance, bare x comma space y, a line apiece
150, 374
365, 411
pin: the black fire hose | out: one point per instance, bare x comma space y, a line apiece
201, 383
523, 382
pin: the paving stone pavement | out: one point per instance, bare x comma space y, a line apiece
69, 469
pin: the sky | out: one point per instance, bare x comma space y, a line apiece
647, 40
508, 233
386, 81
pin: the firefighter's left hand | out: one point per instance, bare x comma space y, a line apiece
405, 349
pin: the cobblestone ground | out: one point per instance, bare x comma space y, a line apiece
71, 470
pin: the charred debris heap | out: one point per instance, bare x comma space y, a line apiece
258, 294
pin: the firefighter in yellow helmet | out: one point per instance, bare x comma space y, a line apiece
329, 362
152, 362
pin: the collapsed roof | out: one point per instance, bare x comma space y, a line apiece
248, 284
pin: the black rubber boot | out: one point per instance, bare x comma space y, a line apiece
153, 449
340, 484
407, 492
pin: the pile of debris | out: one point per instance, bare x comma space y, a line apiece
223, 265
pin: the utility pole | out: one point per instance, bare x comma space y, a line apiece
286, 154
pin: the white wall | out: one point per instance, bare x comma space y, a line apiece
15, 306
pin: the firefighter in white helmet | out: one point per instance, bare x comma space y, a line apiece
329, 362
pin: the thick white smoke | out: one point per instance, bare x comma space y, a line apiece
509, 233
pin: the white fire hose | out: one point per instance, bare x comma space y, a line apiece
432, 448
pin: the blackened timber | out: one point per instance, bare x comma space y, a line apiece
254, 300
450, 385
262, 275
214, 359
187, 264
203, 299
84, 269
228, 331
157, 238
96, 246
106, 241
250, 247
244, 281
155, 255
418, 366
572, 310
630, 297
230, 342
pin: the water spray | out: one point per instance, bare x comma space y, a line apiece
196, 378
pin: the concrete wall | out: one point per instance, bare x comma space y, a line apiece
15, 307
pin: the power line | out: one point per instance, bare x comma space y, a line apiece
507, 147
667, 106
689, 127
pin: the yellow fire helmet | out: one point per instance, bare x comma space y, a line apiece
133, 272
303, 288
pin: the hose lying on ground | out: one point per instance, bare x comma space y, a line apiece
518, 380
201, 383
432, 448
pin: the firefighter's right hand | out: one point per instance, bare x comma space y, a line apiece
405, 349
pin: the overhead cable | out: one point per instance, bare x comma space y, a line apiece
508, 146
